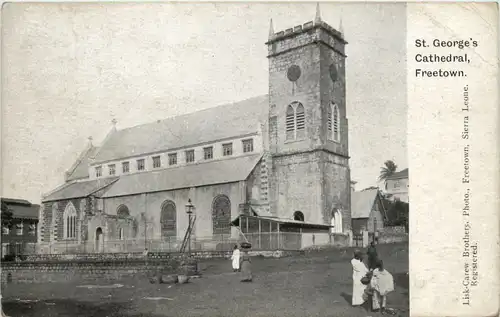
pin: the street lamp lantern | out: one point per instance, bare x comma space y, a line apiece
189, 207
189, 211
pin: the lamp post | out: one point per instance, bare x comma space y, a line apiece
189, 211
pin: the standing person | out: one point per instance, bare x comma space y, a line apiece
359, 270
246, 267
382, 283
236, 259
372, 256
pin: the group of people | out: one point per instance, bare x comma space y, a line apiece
241, 263
373, 281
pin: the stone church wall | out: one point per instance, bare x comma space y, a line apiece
202, 198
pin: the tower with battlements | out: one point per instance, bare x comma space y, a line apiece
308, 127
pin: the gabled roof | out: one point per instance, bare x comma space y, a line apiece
79, 189
398, 175
362, 203
210, 173
232, 120
13, 201
80, 168
22, 209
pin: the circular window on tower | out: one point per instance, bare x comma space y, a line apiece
293, 73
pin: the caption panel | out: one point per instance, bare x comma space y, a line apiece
453, 144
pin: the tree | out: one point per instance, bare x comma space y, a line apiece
7, 216
387, 170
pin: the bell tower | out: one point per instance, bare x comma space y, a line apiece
308, 127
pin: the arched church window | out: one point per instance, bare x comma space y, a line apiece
221, 215
69, 220
168, 219
122, 211
290, 123
295, 121
298, 215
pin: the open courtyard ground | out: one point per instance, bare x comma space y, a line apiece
316, 284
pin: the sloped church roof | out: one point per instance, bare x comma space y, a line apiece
207, 125
212, 124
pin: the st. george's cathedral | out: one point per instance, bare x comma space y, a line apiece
283, 156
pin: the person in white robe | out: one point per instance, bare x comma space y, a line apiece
359, 270
236, 259
382, 283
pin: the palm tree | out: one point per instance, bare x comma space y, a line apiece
387, 170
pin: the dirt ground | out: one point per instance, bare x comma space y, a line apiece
319, 284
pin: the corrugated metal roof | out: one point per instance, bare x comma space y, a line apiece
398, 175
81, 170
207, 125
79, 189
362, 203
283, 221
210, 173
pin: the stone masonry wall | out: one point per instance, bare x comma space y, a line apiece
107, 267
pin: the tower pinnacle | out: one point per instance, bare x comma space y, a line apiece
271, 29
317, 19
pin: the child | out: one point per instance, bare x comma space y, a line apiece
382, 283
236, 259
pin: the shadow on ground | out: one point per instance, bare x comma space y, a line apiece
402, 280
65, 307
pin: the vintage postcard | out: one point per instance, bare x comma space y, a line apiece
250, 159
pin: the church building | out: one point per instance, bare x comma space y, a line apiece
282, 156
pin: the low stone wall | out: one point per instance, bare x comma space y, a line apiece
394, 230
85, 271
392, 237
108, 267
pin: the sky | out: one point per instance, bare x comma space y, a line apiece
69, 69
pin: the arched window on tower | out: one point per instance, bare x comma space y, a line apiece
300, 118
298, 215
69, 220
330, 122
290, 123
295, 121
336, 122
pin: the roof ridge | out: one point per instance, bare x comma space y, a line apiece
79, 160
191, 113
